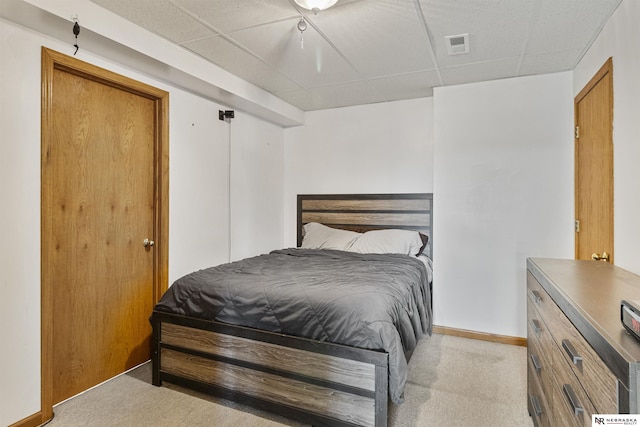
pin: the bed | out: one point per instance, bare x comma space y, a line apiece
322, 380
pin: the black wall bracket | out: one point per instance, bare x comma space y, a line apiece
227, 114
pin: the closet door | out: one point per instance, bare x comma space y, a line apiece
100, 222
594, 167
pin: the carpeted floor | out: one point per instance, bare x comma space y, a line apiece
462, 382
452, 382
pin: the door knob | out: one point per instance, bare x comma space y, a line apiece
148, 243
598, 257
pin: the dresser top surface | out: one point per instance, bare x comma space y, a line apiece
594, 290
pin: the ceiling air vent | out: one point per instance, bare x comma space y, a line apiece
457, 44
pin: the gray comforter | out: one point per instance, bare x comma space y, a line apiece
379, 302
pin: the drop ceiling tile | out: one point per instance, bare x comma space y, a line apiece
159, 16
342, 95
363, 51
481, 71
550, 62
379, 37
228, 16
244, 65
303, 99
497, 29
406, 86
565, 25
278, 44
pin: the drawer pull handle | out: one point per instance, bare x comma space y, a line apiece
573, 399
536, 362
536, 326
536, 296
571, 351
535, 403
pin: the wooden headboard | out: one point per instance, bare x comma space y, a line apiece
363, 212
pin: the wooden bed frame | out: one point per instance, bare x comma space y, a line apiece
315, 382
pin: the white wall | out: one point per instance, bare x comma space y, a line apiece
199, 145
257, 185
198, 197
199, 185
19, 224
503, 191
620, 39
377, 148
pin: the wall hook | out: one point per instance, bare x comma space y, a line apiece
227, 114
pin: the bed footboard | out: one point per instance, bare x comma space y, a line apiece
319, 383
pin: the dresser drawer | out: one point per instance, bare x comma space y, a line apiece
538, 406
571, 406
538, 297
598, 381
540, 365
538, 333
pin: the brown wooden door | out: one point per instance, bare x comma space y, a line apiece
594, 166
100, 183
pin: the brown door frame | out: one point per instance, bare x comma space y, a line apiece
606, 71
52, 60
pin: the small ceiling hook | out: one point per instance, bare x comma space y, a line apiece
76, 31
302, 26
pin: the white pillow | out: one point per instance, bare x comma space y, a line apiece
318, 236
390, 241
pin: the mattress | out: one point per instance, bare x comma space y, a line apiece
371, 301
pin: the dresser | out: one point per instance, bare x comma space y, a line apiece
581, 360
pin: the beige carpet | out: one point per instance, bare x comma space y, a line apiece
462, 382
452, 382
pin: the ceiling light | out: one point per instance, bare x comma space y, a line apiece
316, 5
